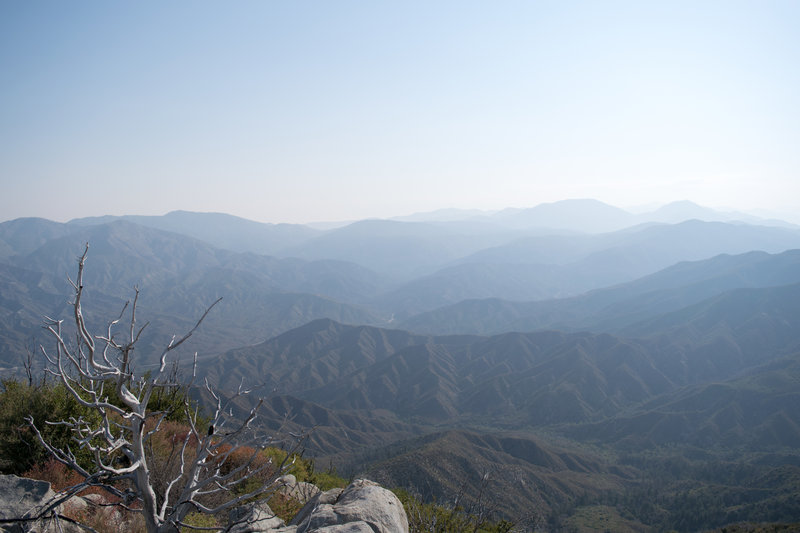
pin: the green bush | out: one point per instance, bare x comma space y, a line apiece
19, 447
20, 450
434, 518
198, 520
324, 480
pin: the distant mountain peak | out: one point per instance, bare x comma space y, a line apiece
584, 215
444, 215
684, 209
580, 202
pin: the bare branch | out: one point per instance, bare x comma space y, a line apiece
172, 345
119, 437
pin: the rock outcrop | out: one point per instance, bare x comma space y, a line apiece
22, 500
297, 490
254, 518
363, 506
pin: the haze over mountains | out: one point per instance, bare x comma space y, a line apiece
556, 346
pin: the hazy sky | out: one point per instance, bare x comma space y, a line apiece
328, 110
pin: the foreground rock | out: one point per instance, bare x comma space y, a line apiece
297, 490
22, 499
364, 506
254, 518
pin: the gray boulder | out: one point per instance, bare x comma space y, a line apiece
362, 506
22, 499
353, 527
254, 518
298, 490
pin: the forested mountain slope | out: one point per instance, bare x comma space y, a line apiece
605, 399
613, 308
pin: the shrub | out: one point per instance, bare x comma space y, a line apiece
434, 518
19, 448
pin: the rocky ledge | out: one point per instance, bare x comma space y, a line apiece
363, 506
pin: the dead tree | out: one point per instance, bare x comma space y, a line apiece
118, 433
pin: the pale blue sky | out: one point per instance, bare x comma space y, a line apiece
330, 110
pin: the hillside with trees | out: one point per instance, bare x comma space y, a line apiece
644, 377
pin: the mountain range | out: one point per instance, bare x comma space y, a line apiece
572, 356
